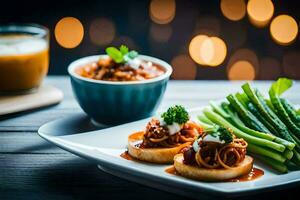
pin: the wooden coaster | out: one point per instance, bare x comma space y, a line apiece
44, 96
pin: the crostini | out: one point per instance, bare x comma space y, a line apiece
214, 156
164, 137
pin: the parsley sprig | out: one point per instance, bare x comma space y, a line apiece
121, 55
175, 114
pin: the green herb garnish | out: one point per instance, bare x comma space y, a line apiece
175, 114
124, 50
121, 55
221, 132
225, 135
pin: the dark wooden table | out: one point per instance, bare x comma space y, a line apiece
31, 168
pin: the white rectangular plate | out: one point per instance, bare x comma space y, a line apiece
105, 146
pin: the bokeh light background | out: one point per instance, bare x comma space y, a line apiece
225, 39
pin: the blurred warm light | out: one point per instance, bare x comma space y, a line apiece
244, 54
183, 68
160, 33
220, 51
260, 12
69, 32
195, 48
207, 51
233, 9
162, 11
291, 64
269, 69
207, 25
241, 70
284, 29
210, 51
102, 31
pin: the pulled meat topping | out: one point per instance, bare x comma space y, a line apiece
108, 70
157, 135
215, 155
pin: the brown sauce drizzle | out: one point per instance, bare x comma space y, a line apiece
252, 175
126, 156
171, 170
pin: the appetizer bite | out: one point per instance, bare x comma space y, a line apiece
164, 137
215, 155
121, 65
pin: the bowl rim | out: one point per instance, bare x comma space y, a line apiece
81, 61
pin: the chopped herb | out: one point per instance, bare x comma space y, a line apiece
223, 133
121, 55
175, 114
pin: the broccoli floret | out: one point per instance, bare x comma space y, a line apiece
175, 114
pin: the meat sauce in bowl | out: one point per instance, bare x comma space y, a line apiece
108, 70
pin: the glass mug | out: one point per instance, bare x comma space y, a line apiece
24, 57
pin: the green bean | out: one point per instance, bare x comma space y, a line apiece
204, 119
257, 114
218, 109
265, 152
234, 118
291, 111
248, 118
216, 118
239, 124
289, 145
267, 113
288, 154
278, 166
283, 114
242, 98
205, 125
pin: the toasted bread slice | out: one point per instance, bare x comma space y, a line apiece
204, 174
153, 155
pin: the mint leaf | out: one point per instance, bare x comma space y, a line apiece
121, 56
132, 54
281, 85
124, 49
115, 54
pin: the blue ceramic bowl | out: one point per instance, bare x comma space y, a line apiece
111, 103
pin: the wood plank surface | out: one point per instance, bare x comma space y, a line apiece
44, 96
32, 168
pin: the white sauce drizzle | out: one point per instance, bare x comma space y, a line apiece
210, 138
173, 128
207, 138
134, 63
